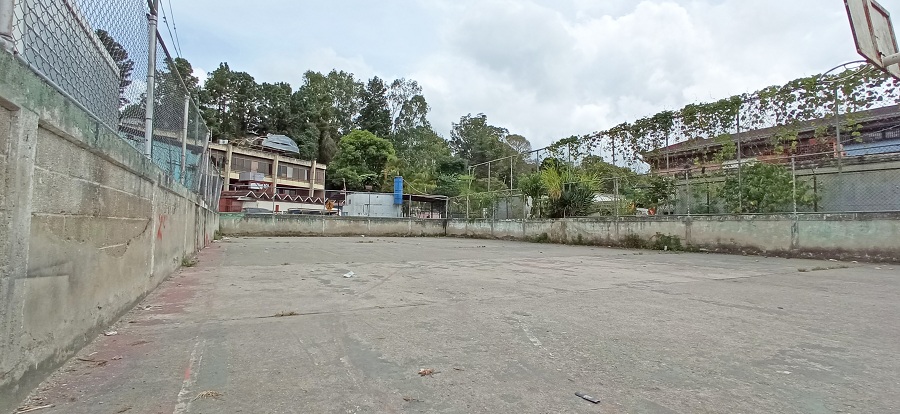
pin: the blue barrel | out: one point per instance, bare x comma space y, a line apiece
398, 190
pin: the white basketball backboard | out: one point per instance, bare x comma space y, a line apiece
874, 34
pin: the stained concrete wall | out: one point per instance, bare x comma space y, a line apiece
862, 236
274, 225
89, 227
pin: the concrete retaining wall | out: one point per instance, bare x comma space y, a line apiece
861, 236
89, 227
267, 225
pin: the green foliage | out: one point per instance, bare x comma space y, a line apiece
570, 192
765, 188
375, 115
230, 102
123, 62
666, 242
274, 109
654, 191
727, 149
633, 241
532, 185
475, 140
326, 107
362, 160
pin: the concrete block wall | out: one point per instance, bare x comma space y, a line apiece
859, 236
90, 226
238, 224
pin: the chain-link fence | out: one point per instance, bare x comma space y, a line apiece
810, 182
98, 53
791, 184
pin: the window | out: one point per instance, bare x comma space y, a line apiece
264, 167
241, 164
217, 159
292, 173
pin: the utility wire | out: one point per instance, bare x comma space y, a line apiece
175, 28
171, 37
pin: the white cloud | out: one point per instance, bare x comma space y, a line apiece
544, 68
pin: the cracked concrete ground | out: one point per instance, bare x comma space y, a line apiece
266, 325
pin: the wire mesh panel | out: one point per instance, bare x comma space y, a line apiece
97, 53
93, 51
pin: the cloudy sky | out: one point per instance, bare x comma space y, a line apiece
545, 69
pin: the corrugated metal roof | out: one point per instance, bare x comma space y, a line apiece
281, 143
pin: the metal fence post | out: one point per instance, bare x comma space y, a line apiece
184, 138
467, 206
152, 20
794, 182
740, 162
687, 180
616, 197
512, 161
524, 207
6, 24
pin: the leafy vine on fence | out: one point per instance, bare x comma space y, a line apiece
787, 107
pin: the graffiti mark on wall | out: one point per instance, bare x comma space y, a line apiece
162, 225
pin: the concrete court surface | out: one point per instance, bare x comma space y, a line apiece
507, 327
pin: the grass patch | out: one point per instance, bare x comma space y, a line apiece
189, 261
666, 243
633, 241
542, 238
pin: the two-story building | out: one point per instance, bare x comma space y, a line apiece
878, 133
268, 176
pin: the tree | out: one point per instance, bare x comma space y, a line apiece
532, 185
400, 95
765, 188
230, 102
375, 115
173, 85
518, 143
413, 114
570, 192
274, 108
653, 192
120, 56
361, 160
607, 174
326, 107
475, 140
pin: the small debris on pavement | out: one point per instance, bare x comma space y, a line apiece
209, 394
283, 314
586, 397
458, 369
100, 362
30, 409
111, 333
348, 275
411, 399
427, 372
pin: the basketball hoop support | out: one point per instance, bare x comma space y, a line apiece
891, 60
